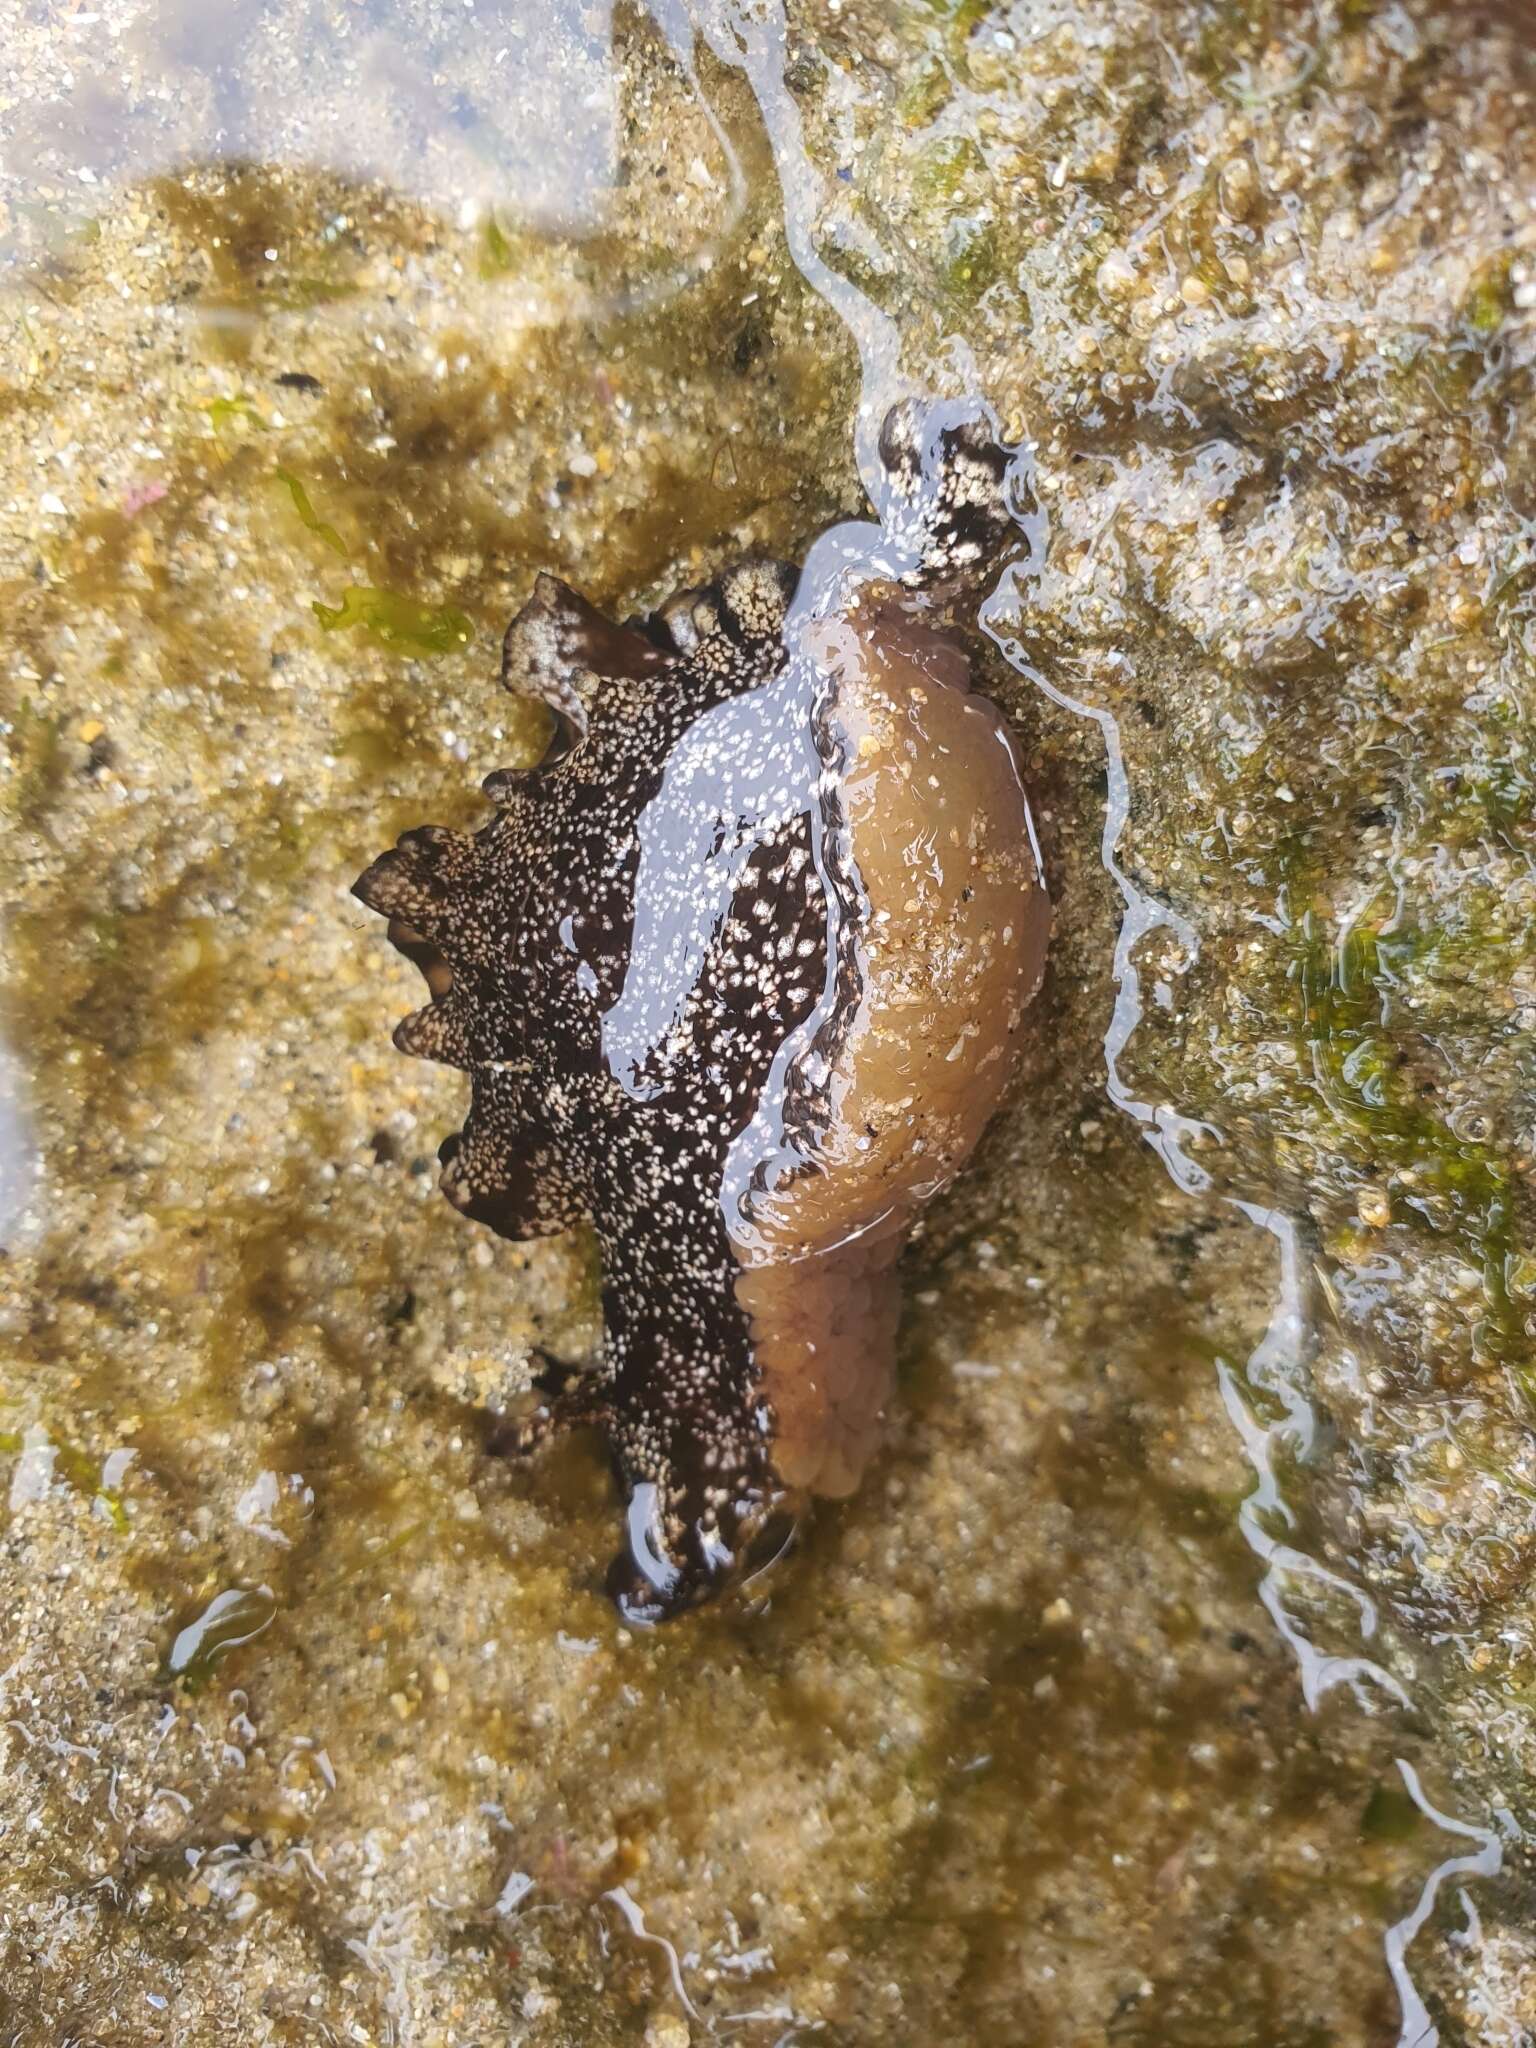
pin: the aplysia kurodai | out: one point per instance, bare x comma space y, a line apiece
737, 974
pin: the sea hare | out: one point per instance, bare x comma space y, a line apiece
737, 973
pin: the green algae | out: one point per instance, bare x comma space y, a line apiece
1491, 298
240, 411
950, 210
947, 170
304, 507
1390, 1815
34, 742
501, 254
957, 18
78, 1469
402, 624
1239, 37
1347, 985
927, 93
131, 994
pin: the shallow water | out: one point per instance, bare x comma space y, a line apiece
1168, 1679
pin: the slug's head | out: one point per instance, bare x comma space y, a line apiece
954, 494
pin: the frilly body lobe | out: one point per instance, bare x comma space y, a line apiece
737, 973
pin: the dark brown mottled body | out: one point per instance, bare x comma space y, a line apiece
675, 961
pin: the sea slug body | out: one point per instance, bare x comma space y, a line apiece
738, 973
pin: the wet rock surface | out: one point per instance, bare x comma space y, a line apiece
316, 1724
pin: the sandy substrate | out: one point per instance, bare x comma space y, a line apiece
316, 1726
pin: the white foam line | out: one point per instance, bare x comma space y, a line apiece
752, 35
1418, 2030
1276, 1365
1164, 1129
634, 1920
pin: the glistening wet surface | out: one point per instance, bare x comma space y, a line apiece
1168, 1679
